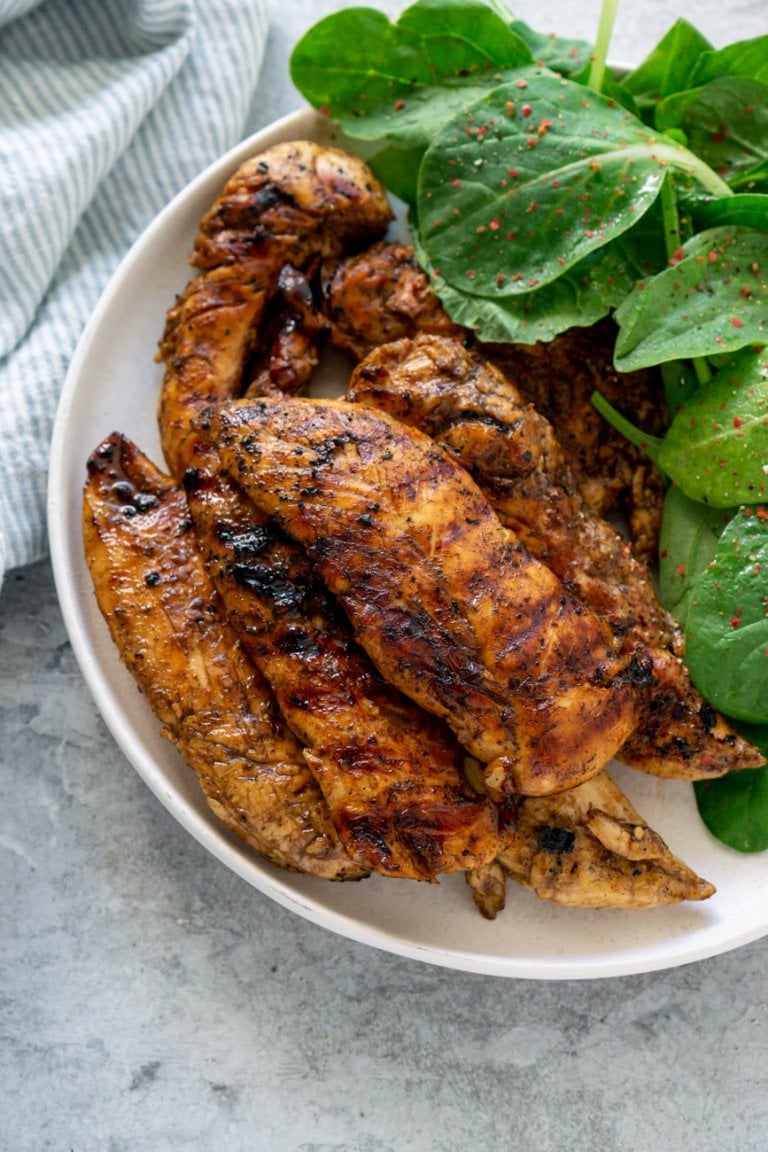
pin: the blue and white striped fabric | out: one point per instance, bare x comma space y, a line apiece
107, 109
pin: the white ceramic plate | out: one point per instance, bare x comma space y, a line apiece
113, 385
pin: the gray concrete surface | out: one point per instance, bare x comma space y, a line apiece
152, 1001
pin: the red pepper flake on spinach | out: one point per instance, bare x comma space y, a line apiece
726, 629
689, 535
713, 299
518, 191
716, 448
385, 81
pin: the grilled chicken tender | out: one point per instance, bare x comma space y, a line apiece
382, 295
437, 385
288, 350
292, 204
388, 771
167, 623
614, 475
447, 603
589, 848
378, 296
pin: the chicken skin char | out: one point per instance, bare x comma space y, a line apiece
247, 659
436, 384
382, 295
389, 773
588, 847
447, 603
294, 204
168, 625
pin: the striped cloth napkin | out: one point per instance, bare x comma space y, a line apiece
107, 109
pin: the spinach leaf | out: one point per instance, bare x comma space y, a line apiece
580, 297
747, 58
530, 180
459, 35
680, 383
716, 447
398, 170
355, 63
727, 625
753, 180
610, 87
712, 301
725, 123
562, 56
355, 59
687, 544
743, 210
735, 808
413, 121
668, 68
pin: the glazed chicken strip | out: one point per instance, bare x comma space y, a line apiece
244, 324
447, 603
589, 848
382, 295
389, 772
378, 296
290, 205
167, 623
288, 350
437, 385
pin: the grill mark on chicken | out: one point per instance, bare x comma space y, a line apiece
240, 325
388, 771
288, 350
167, 623
294, 204
382, 295
437, 385
447, 603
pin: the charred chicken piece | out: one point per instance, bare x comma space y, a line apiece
382, 295
389, 772
559, 378
292, 204
288, 351
378, 296
589, 848
460, 399
167, 623
447, 603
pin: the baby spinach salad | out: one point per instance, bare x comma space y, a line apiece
544, 192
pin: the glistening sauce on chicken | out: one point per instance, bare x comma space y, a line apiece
292, 205
168, 624
382, 295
